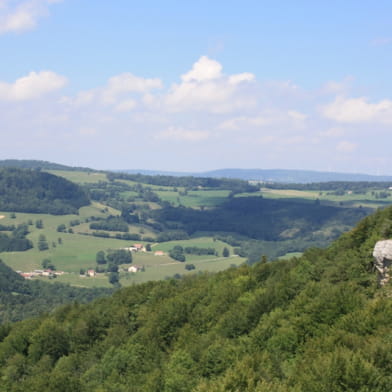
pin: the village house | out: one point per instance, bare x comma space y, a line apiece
139, 247
91, 273
134, 268
159, 253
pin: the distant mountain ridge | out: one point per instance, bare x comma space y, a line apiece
37, 164
266, 175
273, 175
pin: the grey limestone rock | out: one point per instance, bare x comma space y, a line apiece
383, 260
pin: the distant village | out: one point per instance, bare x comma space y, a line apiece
51, 274
41, 273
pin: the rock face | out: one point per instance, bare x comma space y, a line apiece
383, 260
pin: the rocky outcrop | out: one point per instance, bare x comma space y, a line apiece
383, 260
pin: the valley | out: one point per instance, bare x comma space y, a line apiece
163, 212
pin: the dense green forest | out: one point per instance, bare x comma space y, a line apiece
38, 165
310, 324
16, 241
21, 299
259, 218
234, 185
357, 187
24, 190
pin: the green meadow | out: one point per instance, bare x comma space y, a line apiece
70, 252
80, 177
346, 200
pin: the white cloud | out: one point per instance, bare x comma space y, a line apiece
347, 147
204, 69
333, 132
358, 110
126, 106
206, 88
127, 83
243, 77
243, 122
19, 16
117, 92
334, 87
268, 123
34, 85
291, 119
295, 115
180, 134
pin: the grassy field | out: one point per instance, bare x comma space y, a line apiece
165, 267
201, 242
80, 177
70, 252
195, 199
346, 200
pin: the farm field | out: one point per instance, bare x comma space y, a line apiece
80, 177
162, 271
195, 199
70, 252
347, 200
74, 247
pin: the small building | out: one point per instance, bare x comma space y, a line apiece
134, 268
139, 247
91, 273
27, 275
159, 253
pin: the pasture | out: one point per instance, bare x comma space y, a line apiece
71, 252
348, 199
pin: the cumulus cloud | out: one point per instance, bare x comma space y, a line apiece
358, 110
204, 69
181, 134
333, 132
333, 87
19, 16
206, 88
228, 116
34, 85
125, 83
291, 119
117, 92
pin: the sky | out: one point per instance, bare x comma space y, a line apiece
198, 85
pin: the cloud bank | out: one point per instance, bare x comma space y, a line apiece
206, 119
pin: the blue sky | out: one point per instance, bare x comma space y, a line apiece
177, 85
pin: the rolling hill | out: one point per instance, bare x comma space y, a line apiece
26, 190
309, 324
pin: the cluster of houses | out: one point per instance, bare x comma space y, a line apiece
137, 248
142, 248
40, 273
90, 272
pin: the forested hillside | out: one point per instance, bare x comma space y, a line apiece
24, 190
309, 324
36, 164
21, 299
